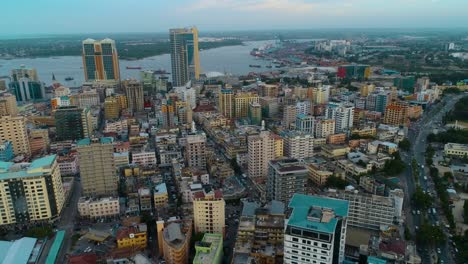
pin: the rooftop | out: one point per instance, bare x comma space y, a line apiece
87, 141
207, 249
17, 251
318, 213
10, 170
160, 188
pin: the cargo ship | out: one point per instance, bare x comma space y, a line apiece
255, 66
133, 67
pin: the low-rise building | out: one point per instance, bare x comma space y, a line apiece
209, 249
68, 164
174, 240
134, 237
160, 195
456, 150
98, 208
334, 151
144, 196
145, 158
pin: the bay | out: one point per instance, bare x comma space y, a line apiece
230, 59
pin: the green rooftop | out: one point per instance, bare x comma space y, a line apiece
209, 250
307, 212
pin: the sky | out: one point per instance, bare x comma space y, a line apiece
18, 17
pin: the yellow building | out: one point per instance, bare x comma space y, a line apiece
174, 240
364, 132
208, 212
333, 151
100, 60
14, 129
132, 237
242, 102
8, 105
396, 114
184, 55
111, 108
97, 208
160, 196
39, 186
366, 89
279, 145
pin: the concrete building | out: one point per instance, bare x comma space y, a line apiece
87, 98
396, 114
242, 102
285, 178
315, 230
98, 208
298, 145
321, 94
324, 128
255, 113
289, 116
100, 60
134, 237
134, 92
111, 108
73, 123
27, 90
8, 105
305, 123
456, 150
174, 239
209, 249
343, 116
261, 149
160, 196
68, 165
144, 158
185, 60
208, 212
226, 103
366, 89
24, 72
97, 167
144, 198
195, 151
31, 192
14, 130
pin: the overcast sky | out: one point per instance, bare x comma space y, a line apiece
106, 16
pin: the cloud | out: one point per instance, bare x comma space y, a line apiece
284, 6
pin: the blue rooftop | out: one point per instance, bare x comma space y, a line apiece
304, 208
18, 251
160, 188
54, 250
375, 260
10, 170
87, 141
42, 162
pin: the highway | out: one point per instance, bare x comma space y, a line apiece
417, 135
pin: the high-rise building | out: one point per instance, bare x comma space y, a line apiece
366, 89
285, 178
242, 102
154, 82
23, 72
396, 114
343, 116
208, 212
305, 123
209, 249
14, 129
315, 230
298, 145
324, 128
320, 95
226, 103
134, 92
195, 151
26, 88
174, 240
184, 55
255, 114
100, 60
97, 168
261, 149
111, 108
381, 102
8, 105
289, 116
31, 192
270, 106
73, 123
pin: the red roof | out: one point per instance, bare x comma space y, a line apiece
125, 232
199, 195
86, 258
395, 246
204, 108
218, 194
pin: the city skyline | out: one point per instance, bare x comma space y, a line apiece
228, 15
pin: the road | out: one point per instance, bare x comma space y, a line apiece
417, 135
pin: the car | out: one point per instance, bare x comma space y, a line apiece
414, 212
418, 212
438, 251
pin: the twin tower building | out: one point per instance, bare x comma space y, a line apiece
101, 60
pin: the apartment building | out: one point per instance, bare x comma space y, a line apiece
261, 149
144, 158
160, 196
174, 240
298, 145
209, 249
14, 130
208, 212
285, 178
8, 105
134, 237
195, 151
324, 128
98, 208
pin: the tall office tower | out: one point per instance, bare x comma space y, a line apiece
30, 192
242, 102
168, 114
321, 94
73, 123
184, 55
261, 149
298, 145
187, 94
100, 60
97, 167
343, 116
208, 212
23, 72
304, 107
26, 85
396, 114
195, 151
14, 129
289, 116
111, 108
255, 113
134, 92
305, 123
366, 89
285, 178
174, 240
381, 102
270, 106
8, 105
226, 103
154, 82
315, 230
324, 128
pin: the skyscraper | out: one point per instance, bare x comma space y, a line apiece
134, 92
315, 230
208, 212
343, 116
8, 105
285, 178
73, 123
97, 167
261, 149
100, 60
195, 151
26, 85
226, 103
184, 55
14, 129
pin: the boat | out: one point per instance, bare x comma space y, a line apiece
133, 67
269, 66
69, 79
255, 66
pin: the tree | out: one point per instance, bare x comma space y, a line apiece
429, 234
407, 233
405, 144
335, 182
361, 163
421, 199
235, 166
39, 232
394, 166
